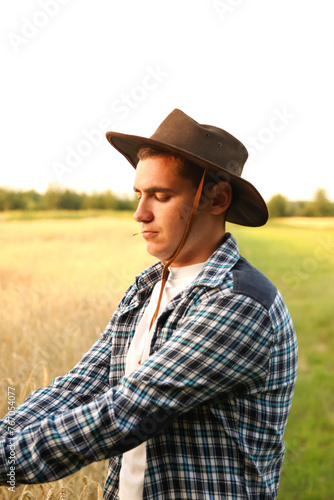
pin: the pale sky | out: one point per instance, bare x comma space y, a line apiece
71, 70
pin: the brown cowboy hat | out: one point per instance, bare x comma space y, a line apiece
209, 147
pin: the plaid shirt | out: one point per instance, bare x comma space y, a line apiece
212, 400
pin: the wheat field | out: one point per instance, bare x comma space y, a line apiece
60, 281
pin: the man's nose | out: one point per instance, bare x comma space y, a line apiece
143, 213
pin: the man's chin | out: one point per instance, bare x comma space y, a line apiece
158, 253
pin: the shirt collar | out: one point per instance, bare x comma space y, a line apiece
219, 264
214, 271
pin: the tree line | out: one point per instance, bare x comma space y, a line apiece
57, 198
320, 206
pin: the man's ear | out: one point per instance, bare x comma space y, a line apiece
221, 198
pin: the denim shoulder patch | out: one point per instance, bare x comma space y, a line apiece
249, 281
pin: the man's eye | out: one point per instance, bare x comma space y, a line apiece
163, 198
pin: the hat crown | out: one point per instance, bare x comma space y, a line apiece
209, 143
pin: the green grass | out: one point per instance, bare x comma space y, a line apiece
26, 215
57, 274
300, 261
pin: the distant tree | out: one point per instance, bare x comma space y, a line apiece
322, 205
3, 199
69, 200
109, 200
85, 201
302, 209
33, 200
51, 197
279, 206
16, 200
105, 200
96, 201
126, 203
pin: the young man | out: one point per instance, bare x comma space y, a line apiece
189, 388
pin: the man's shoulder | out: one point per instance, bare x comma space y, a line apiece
249, 281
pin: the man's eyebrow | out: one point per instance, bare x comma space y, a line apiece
155, 189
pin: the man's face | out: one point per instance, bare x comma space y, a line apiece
165, 202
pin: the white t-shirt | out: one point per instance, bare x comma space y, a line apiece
134, 461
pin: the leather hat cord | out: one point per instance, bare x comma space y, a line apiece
165, 271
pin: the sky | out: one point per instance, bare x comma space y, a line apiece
72, 70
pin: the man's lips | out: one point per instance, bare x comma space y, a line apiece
148, 233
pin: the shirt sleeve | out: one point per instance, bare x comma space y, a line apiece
86, 381
221, 348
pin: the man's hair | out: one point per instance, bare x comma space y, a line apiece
187, 169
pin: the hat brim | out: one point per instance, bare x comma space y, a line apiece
248, 208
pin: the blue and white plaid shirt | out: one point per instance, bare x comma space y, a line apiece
212, 400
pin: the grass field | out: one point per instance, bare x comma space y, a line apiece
60, 280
